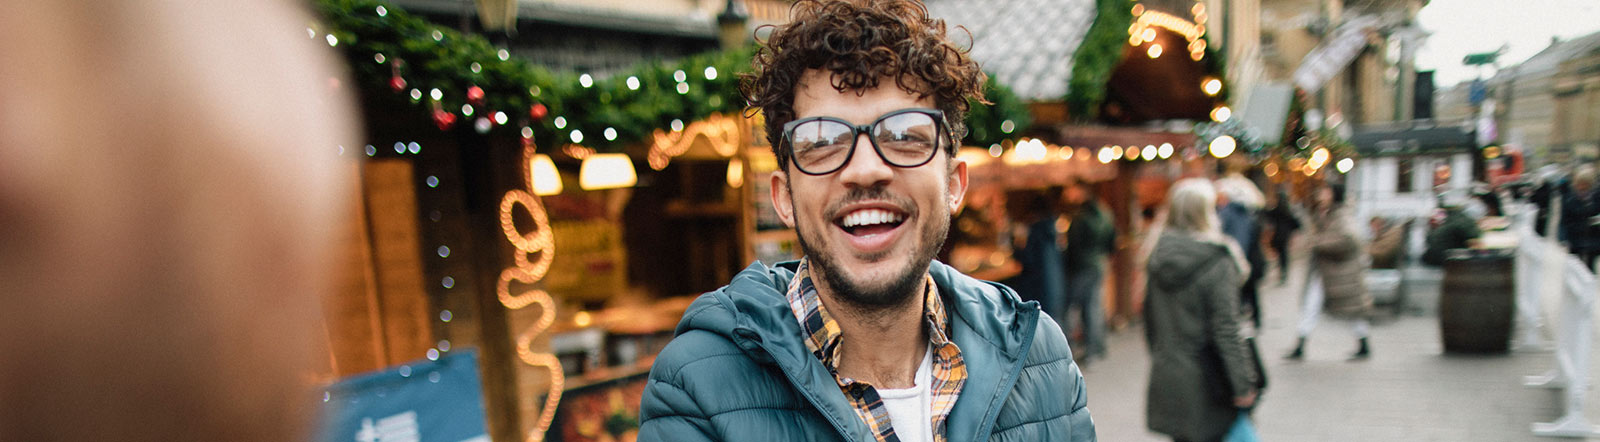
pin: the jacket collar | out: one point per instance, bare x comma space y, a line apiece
991, 324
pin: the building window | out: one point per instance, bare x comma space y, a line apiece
1403, 180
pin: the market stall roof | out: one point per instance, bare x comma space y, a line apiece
1027, 45
1414, 137
702, 26
1266, 111
1147, 86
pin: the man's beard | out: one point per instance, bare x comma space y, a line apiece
900, 287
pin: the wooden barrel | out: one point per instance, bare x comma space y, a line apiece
1477, 300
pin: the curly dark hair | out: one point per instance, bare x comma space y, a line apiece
861, 42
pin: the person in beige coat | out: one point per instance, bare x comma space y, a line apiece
1337, 282
1201, 371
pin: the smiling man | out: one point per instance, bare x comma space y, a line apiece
866, 338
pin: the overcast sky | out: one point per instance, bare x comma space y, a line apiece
1461, 27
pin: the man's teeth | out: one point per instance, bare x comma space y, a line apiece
870, 216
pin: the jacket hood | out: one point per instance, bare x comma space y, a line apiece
1178, 259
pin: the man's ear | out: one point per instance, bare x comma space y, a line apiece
957, 185
782, 198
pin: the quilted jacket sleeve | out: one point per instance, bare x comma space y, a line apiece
667, 411
1050, 401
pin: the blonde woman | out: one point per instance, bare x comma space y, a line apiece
1201, 371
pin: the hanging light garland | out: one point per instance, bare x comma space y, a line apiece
540, 241
466, 78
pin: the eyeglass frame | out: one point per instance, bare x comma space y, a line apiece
941, 125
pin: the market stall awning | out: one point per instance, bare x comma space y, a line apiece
1266, 111
1409, 138
1327, 59
1027, 48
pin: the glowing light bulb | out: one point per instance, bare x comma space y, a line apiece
1223, 146
1221, 113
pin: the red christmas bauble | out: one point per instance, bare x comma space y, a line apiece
475, 96
397, 83
538, 111
444, 120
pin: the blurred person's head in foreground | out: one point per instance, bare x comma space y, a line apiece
169, 191
864, 104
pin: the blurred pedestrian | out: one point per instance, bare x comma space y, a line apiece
1578, 212
1489, 197
172, 204
1337, 282
1553, 186
1240, 203
1091, 237
1035, 247
1201, 371
1457, 231
1283, 222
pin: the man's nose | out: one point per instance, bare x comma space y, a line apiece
866, 168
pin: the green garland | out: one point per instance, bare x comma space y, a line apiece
1293, 146
1099, 54
986, 123
438, 57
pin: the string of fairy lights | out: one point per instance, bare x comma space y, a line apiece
540, 242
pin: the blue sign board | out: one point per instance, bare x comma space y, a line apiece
422, 401
1477, 92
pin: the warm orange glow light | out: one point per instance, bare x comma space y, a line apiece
524, 271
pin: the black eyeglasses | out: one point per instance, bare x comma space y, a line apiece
903, 138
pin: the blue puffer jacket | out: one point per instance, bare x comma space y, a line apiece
739, 370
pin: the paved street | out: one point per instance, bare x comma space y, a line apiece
1408, 391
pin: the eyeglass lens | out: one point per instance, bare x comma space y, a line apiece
905, 140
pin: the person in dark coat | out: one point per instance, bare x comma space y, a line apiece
1578, 211
1043, 277
1241, 201
1091, 237
1552, 187
1284, 224
1201, 371
1457, 231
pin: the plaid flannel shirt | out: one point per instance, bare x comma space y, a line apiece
823, 337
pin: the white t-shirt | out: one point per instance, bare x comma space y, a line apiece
911, 409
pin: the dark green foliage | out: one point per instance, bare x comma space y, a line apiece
513, 85
1098, 55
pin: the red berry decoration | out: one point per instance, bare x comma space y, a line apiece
444, 120
475, 96
397, 83
538, 111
